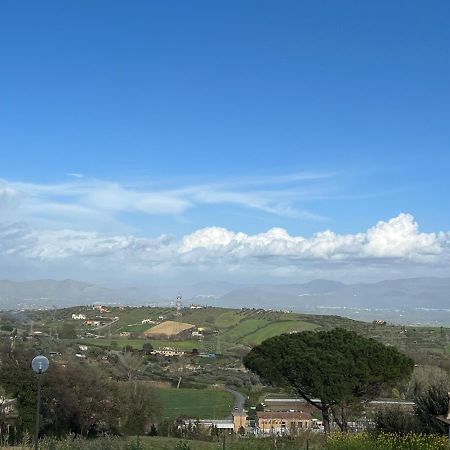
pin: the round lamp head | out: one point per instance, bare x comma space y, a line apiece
40, 364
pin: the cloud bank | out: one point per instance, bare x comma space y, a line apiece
397, 242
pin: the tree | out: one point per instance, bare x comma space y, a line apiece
147, 348
131, 364
339, 367
140, 406
396, 420
67, 331
431, 403
75, 398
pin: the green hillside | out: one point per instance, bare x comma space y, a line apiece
195, 403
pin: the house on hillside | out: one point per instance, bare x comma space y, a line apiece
79, 316
283, 423
379, 322
144, 321
167, 351
194, 306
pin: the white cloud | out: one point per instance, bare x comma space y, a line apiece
399, 238
270, 254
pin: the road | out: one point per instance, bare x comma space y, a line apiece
239, 400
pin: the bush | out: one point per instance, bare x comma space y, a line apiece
386, 441
395, 420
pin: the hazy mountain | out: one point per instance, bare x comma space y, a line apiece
50, 293
410, 293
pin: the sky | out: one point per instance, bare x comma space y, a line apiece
151, 142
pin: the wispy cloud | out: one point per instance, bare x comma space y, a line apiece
84, 201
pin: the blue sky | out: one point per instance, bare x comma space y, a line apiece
152, 118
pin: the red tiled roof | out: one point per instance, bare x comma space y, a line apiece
298, 415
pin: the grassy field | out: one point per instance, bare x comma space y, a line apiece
138, 343
274, 329
244, 328
134, 328
227, 319
164, 443
195, 403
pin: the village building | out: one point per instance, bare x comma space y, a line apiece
280, 423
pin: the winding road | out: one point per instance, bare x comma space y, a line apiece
239, 400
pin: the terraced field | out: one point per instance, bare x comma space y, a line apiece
228, 319
248, 326
274, 329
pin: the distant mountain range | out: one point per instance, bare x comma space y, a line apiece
317, 296
404, 294
52, 293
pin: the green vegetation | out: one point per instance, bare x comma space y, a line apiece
195, 403
137, 328
277, 328
340, 367
336, 441
244, 328
389, 441
227, 319
137, 344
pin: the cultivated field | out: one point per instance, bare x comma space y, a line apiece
169, 328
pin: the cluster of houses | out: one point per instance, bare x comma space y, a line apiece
170, 352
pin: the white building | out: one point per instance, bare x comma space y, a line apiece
147, 321
167, 351
79, 316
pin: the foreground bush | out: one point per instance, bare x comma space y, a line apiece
386, 441
336, 441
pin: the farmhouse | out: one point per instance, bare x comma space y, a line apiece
279, 423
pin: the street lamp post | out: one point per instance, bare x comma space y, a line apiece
39, 365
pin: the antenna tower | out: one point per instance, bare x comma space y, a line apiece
179, 305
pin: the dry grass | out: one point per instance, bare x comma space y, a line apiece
168, 328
